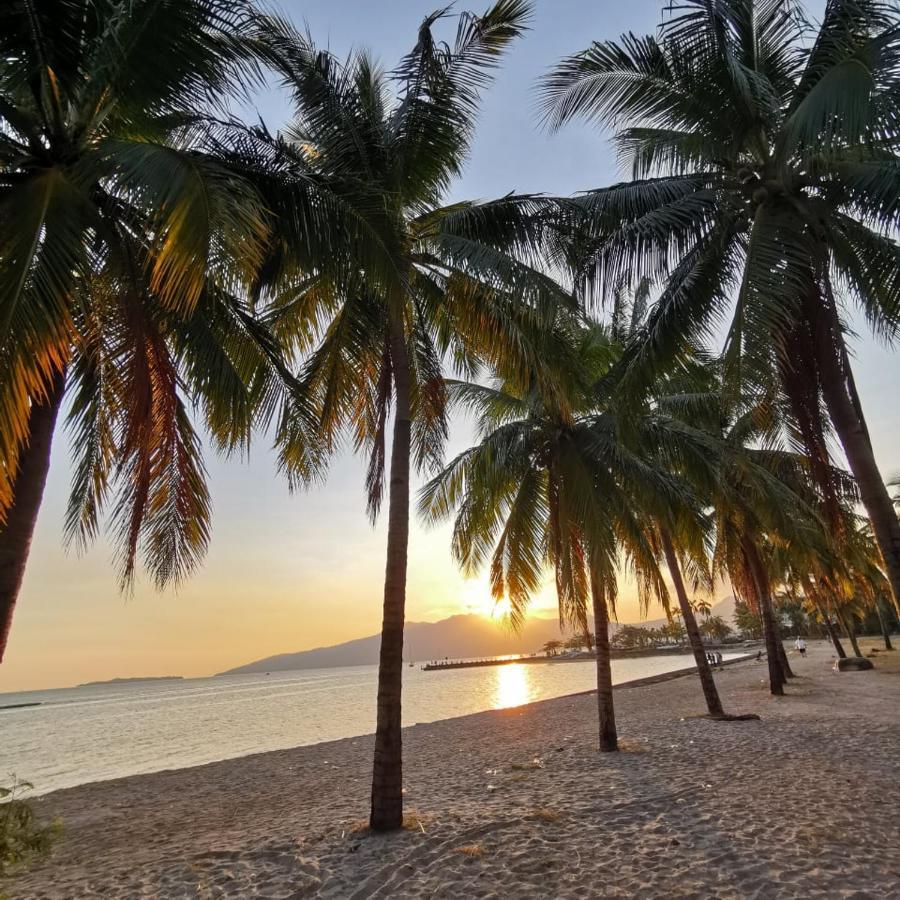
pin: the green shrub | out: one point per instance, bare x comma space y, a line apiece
22, 838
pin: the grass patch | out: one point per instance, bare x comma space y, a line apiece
544, 814
473, 851
413, 820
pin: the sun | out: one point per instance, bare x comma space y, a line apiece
477, 599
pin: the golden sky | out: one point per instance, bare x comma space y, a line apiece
284, 573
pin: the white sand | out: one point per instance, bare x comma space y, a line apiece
800, 804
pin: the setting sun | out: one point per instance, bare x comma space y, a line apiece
477, 599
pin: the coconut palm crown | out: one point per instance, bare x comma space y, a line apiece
766, 182
566, 487
124, 254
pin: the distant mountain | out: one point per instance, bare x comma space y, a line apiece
458, 637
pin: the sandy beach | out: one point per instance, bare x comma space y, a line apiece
799, 804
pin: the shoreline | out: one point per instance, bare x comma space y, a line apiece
519, 800
624, 685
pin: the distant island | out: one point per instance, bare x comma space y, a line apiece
133, 680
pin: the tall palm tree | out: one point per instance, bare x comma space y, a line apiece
554, 485
762, 496
852, 577
684, 535
764, 154
676, 393
765, 499
414, 282
123, 249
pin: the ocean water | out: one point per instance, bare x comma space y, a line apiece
97, 732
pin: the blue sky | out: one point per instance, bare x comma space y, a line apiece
289, 572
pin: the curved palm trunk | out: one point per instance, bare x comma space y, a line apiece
845, 410
835, 640
609, 738
707, 682
387, 775
882, 622
782, 654
825, 613
849, 630
28, 491
761, 583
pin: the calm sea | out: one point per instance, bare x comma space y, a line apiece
84, 734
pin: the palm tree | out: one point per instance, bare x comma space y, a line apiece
551, 648
684, 534
761, 495
123, 249
852, 577
765, 160
689, 627
716, 628
580, 641
822, 608
414, 282
554, 484
841, 575
747, 620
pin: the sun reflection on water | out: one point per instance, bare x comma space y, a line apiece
512, 686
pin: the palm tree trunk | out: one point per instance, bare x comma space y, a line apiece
882, 622
849, 630
609, 738
28, 491
825, 613
387, 775
845, 410
761, 584
832, 633
782, 655
707, 682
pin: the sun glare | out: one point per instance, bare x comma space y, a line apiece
512, 687
478, 600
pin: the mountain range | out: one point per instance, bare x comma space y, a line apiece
462, 636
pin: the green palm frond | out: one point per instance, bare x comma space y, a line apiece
129, 250
764, 150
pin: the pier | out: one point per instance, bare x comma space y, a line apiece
475, 663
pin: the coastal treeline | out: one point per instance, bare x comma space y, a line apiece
171, 271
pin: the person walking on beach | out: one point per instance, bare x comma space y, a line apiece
800, 645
